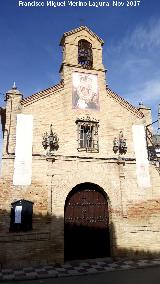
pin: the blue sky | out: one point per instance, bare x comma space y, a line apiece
30, 54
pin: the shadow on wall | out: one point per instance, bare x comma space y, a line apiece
44, 244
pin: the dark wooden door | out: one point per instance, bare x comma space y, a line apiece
86, 225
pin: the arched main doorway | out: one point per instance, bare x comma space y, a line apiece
86, 225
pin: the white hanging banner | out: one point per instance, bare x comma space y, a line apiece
23, 151
18, 213
142, 164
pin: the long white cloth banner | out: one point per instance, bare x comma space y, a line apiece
23, 152
142, 164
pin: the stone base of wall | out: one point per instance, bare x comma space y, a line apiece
46, 247
25, 249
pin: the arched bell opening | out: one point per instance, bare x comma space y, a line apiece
85, 55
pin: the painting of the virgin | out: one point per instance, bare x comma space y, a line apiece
85, 91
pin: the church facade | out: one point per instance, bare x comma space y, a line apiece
76, 181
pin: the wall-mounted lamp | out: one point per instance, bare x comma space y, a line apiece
153, 142
153, 146
50, 141
119, 144
156, 143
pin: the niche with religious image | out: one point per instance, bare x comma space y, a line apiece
85, 91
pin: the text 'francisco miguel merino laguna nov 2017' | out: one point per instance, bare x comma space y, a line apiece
71, 3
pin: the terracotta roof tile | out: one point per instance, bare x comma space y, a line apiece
42, 94
49, 91
78, 30
124, 103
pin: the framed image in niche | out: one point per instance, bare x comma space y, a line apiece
85, 91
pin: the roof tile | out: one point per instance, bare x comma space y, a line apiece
124, 103
42, 94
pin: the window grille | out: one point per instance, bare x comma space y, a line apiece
85, 56
88, 136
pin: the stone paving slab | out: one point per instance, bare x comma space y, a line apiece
75, 268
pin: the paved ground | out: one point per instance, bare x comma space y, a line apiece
147, 275
75, 268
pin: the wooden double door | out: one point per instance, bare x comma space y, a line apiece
86, 230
